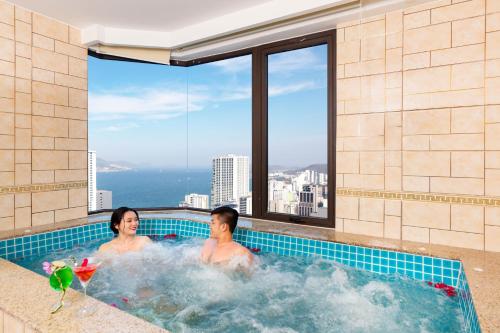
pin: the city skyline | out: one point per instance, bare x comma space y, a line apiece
303, 193
297, 192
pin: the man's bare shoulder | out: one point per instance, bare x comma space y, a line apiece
240, 249
242, 252
210, 241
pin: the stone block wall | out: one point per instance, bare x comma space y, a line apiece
43, 120
418, 124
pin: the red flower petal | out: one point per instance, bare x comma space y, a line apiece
170, 236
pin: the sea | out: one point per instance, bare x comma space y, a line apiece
143, 188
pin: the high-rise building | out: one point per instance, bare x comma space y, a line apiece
282, 197
306, 201
323, 178
230, 179
246, 205
92, 180
309, 199
104, 199
195, 200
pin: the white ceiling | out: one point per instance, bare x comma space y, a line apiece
155, 15
194, 28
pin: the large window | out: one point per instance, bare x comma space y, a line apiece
137, 132
220, 134
170, 136
294, 112
297, 115
253, 130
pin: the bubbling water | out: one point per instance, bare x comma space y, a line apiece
167, 285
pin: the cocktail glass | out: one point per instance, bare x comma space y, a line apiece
84, 272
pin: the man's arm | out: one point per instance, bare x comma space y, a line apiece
244, 252
249, 256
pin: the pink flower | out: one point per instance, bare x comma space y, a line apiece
47, 267
125, 299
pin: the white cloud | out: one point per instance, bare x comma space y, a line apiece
234, 65
245, 92
119, 127
301, 59
147, 103
234, 93
143, 103
290, 88
175, 99
285, 62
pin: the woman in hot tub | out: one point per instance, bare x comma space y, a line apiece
124, 224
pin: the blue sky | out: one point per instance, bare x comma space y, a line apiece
177, 117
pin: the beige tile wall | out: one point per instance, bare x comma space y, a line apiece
419, 111
43, 118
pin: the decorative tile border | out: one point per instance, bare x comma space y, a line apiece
418, 267
42, 187
427, 197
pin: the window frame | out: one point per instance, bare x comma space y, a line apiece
259, 167
260, 127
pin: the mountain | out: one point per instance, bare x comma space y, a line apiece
277, 168
322, 168
108, 166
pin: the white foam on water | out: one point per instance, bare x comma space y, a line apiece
169, 286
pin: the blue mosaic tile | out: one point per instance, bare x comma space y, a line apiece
467, 306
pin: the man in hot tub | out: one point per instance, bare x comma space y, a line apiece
220, 248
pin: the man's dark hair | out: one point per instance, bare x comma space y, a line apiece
117, 217
227, 215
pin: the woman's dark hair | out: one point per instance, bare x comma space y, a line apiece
117, 217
